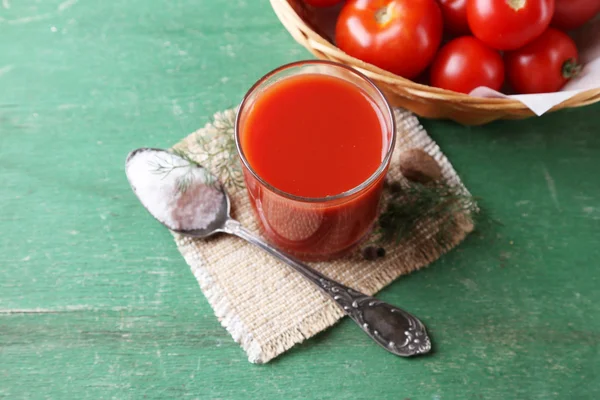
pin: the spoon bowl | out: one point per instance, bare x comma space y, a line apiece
221, 212
218, 225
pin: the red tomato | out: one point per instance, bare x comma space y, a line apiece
455, 16
544, 65
571, 14
400, 36
508, 24
322, 3
466, 63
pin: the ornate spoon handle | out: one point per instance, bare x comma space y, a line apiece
396, 330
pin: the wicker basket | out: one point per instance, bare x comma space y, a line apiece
307, 27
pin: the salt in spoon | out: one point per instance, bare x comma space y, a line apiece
187, 199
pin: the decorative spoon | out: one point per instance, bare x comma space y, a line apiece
187, 199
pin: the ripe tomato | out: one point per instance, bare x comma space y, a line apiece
455, 16
508, 24
400, 36
571, 14
544, 65
466, 63
322, 3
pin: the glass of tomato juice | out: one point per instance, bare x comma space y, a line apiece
315, 139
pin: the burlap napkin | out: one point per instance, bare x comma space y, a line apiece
265, 305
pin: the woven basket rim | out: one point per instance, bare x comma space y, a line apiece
314, 42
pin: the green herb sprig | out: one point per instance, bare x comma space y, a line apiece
409, 205
165, 167
217, 150
220, 150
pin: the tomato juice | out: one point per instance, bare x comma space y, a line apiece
315, 144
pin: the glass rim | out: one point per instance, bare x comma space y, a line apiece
348, 193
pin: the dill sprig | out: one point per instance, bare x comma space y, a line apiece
165, 167
216, 149
412, 204
219, 149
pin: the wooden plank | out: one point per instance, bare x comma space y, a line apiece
95, 301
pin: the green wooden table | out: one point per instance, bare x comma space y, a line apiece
96, 302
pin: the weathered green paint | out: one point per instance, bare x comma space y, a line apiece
95, 301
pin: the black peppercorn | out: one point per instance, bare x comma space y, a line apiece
370, 253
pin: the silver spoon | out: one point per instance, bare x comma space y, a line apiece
396, 330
